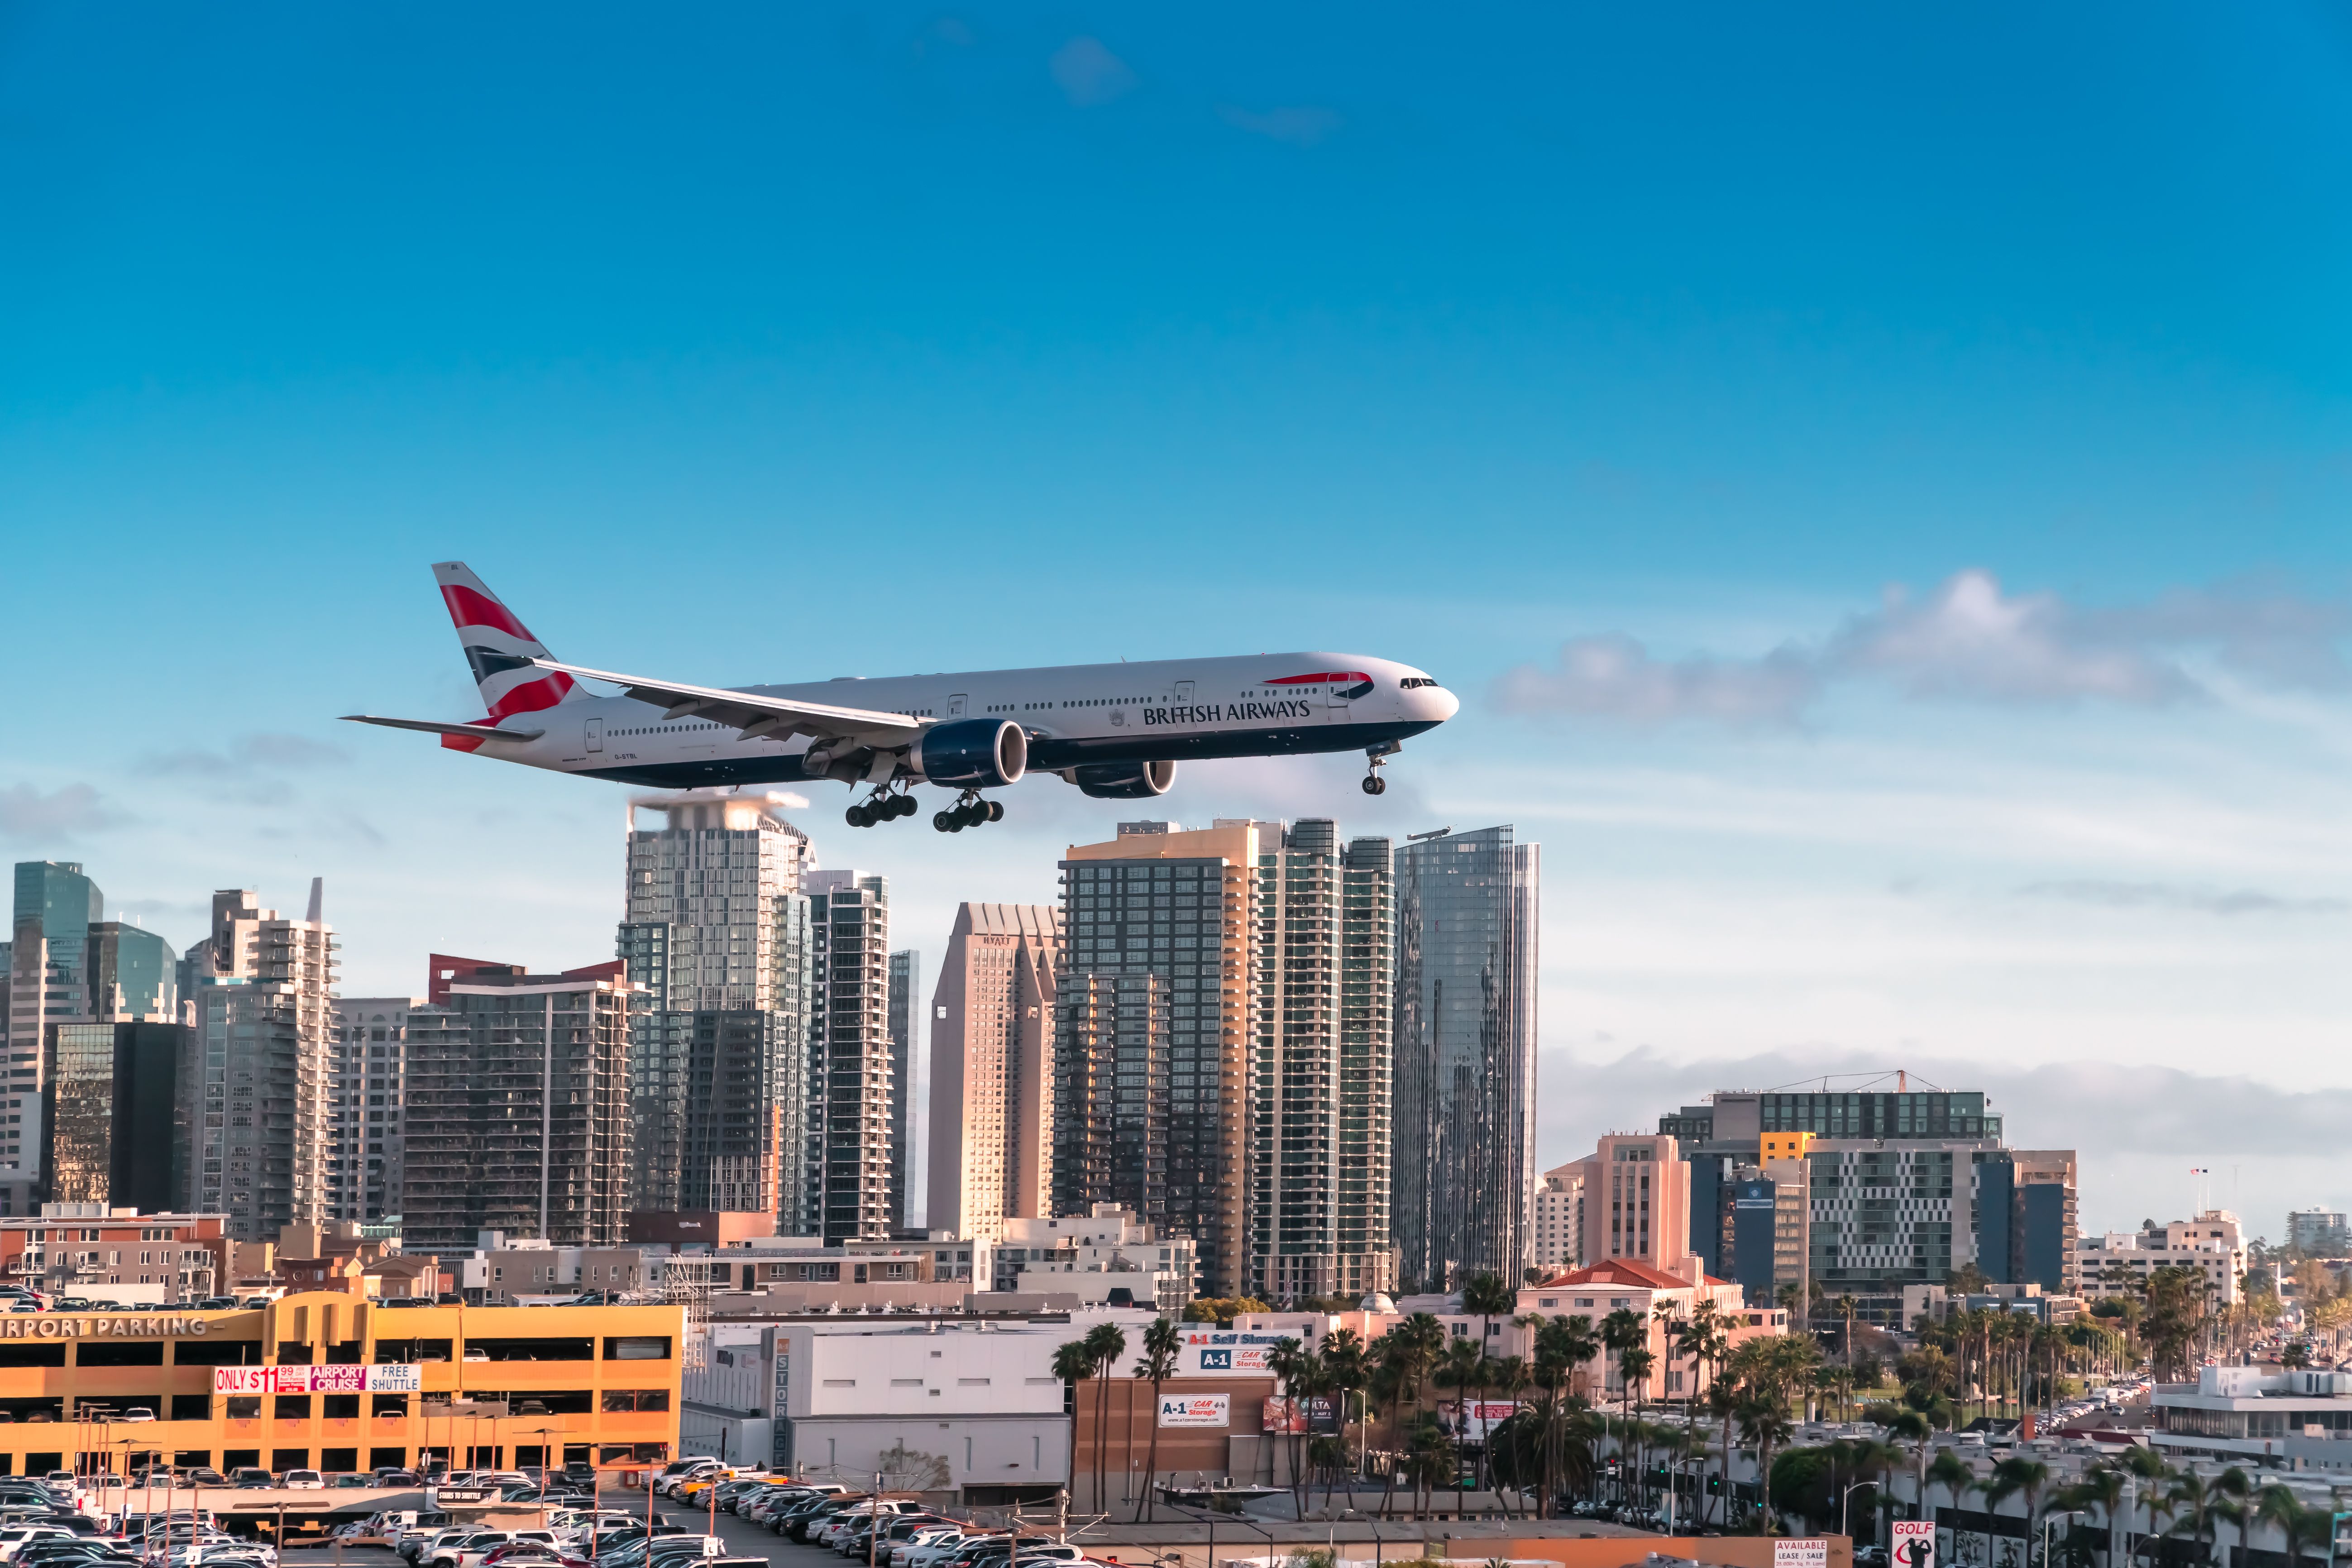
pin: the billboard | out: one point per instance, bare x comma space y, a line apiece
1196, 1410
1484, 1416
1314, 1414
1914, 1543
390, 1378
1207, 1350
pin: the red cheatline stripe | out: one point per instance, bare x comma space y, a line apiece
469, 608
1317, 680
531, 696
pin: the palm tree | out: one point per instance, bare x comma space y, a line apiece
1764, 1422
1846, 1307
2019, 1475
1412, 1348
1724, 1400
1461, 1369
1291, 1362
1561, 1346
1161, 1343
1514, 1376
2196, 1501
1490, 1296
1344, 1371
1074, 1364
1106, 1343
1953, 1474
1910, 1427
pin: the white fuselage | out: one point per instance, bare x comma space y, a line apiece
1075, 715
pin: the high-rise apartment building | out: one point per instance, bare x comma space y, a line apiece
253, 1096
1318, 1111
367, 1086
1896, 1186
1464, 1073
66, 968
518, 1110
54, 910
992, 1070
1152, 1019
2319, 1233
1556, 1218
851, 1087
909, 1097
718, 947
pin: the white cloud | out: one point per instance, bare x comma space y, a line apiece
248, 755
1088, 74
1299, 125
2164, 895
69, 809
1966, 640
1612, 675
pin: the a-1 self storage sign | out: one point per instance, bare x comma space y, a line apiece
1196, 1410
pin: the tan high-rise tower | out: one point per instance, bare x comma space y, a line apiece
1149, 1035
991, 1068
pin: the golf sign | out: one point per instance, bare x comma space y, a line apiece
1914, 1544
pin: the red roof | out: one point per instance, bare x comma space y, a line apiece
1621, 1272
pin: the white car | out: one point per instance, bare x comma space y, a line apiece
932, 1553
902, 1552
303, 1481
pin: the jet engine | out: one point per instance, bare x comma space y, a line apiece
977, 753
1124, 780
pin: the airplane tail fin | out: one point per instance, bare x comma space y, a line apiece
499, 647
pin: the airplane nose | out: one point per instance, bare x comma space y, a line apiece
1443, 704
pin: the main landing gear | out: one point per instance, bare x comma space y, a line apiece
883, 807
1373, 757
969, 812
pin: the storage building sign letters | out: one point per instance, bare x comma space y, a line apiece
391, 1378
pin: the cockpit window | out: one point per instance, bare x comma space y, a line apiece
1410, 681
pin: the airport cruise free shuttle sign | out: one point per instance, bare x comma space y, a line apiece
390, 1378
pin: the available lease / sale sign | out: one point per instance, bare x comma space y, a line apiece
390, 1378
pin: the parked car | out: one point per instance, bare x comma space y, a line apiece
303, 1481
248, 1478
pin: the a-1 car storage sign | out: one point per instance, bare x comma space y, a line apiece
391, 1378
1196, 1410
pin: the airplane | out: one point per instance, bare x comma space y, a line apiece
1115, 730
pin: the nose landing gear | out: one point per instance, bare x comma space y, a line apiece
1373, 757
969, 812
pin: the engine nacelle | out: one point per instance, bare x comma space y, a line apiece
977, 753
1124, 780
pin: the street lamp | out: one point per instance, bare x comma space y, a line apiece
1845, 1499
2050, 1519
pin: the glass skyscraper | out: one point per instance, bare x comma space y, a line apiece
1465, 1065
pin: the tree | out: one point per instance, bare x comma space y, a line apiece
2303, 1527
2013, 1476
1345, 1370
1074, 1364
1461, 1370
1292, 1364
1490, 1296
1846, 1307
2196, 1501
1105, 1342
1561, 1346
1409, 1354
1161, 1340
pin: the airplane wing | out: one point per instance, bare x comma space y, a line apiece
756, 715
433, 727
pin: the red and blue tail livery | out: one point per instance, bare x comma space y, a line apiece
1115, 730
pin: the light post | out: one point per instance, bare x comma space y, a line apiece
1845, 1501
2047, 1521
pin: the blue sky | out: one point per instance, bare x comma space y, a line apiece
1615, 365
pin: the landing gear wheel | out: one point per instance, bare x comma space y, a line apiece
1375, 785
857, 817
944, 820
995, 811
903, 806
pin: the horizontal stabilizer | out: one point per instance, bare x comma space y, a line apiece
434, 727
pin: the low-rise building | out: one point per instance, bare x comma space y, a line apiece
2214, 1244
116, 1254
334, 1382
972, 1408
2237, 1414
1098, 1257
